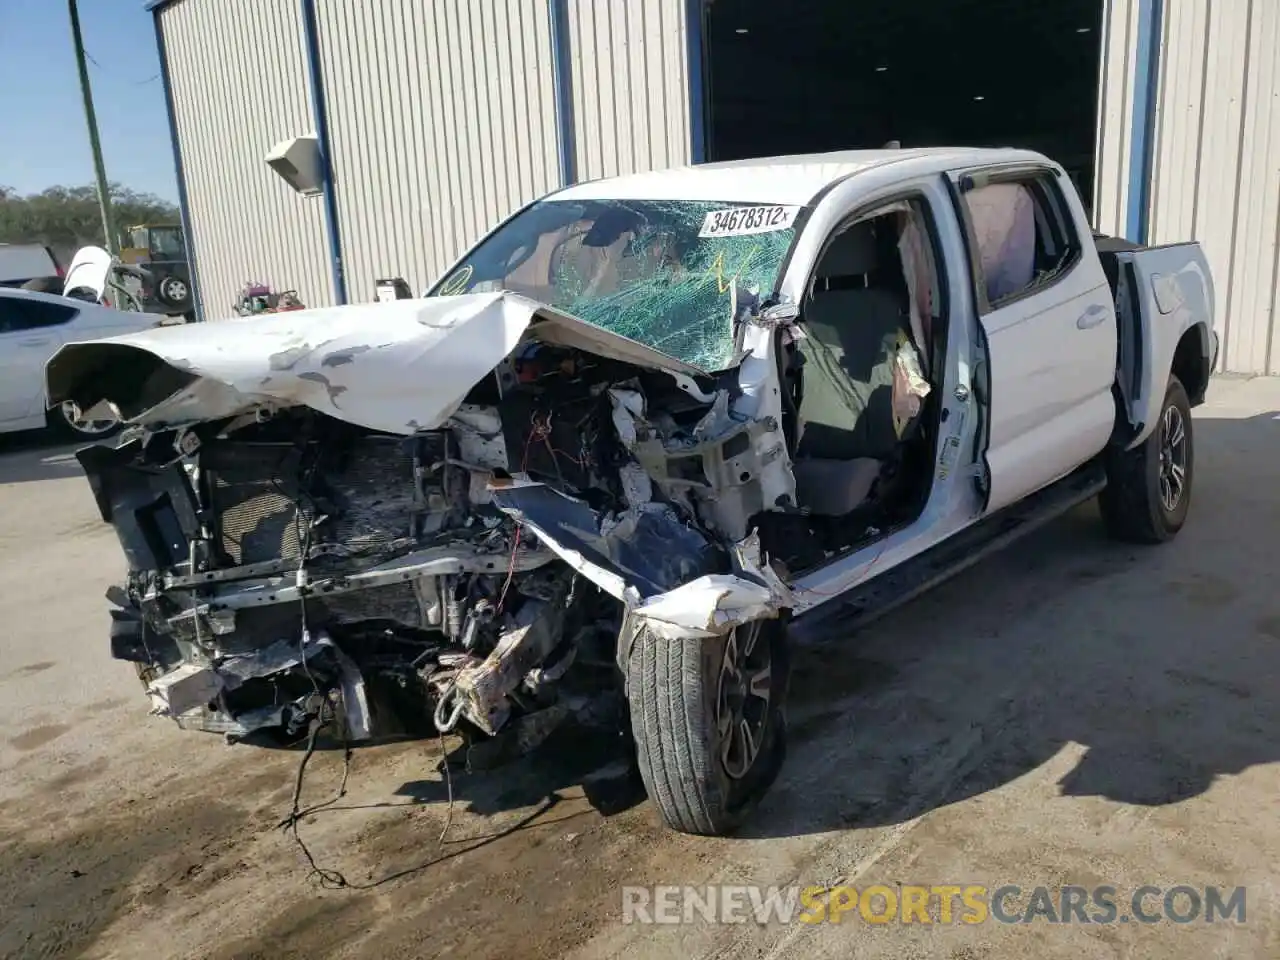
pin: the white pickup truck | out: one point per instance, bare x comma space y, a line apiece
637, 431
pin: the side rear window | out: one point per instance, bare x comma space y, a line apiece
18, 314
1022, 234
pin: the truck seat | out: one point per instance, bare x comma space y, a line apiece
852, 330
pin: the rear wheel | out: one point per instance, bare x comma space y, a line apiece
1148, 490
709, 722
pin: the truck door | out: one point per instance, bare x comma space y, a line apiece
1048, 321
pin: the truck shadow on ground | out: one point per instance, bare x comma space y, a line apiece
1162, 663
35, 455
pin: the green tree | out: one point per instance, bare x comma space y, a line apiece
67, 218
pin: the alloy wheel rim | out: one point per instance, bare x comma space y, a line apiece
742, 698
1173, 458
78, 422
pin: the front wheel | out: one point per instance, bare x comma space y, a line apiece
1148, 490
708, 718
67, 420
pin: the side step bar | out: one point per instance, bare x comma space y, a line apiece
871, 600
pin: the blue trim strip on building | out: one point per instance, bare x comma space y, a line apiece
184, 210
1142, 141
562, 79
315, 76
696, 58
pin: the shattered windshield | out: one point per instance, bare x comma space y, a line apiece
673, 275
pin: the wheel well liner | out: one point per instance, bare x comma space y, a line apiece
1191, 363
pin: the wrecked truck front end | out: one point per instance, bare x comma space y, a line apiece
402, 518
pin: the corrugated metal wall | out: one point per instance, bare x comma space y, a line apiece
630, 86
1115, 115
441, 122
1216, 176
236, 69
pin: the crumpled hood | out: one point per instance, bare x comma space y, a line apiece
397, 367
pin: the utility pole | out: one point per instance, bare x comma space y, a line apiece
99, 169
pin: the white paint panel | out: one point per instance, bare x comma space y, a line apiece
630, 86
239, 81
441, 123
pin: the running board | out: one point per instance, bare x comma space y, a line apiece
871, 600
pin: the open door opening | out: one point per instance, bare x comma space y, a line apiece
863, 372
818, 75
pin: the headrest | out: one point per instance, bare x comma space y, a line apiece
609, 226
851, 254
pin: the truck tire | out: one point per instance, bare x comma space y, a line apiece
1148, 488
174, 292
692, 700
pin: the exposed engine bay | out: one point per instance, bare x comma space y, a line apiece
287, 565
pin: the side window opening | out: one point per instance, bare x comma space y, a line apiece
1022, 235
17, 315
862, 368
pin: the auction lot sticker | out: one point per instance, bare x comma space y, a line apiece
744, 221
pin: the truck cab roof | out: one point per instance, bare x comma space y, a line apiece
796, 179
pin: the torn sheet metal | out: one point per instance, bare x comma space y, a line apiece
639, 554
730, 464
399, 367
653, 562
356, 719
195, 684
195, 692
708, 606
714, 604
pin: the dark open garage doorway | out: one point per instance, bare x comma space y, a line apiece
805, 76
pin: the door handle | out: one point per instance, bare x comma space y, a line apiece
1092, 317
35, 342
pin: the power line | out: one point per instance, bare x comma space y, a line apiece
137, 83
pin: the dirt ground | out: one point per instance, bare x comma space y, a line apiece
1070, 712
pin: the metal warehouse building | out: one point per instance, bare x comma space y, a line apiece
436, 118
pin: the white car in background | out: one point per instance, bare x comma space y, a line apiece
31, 266
33, 326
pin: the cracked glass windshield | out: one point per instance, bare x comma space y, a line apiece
674, 275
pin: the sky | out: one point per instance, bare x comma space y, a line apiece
44, 140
